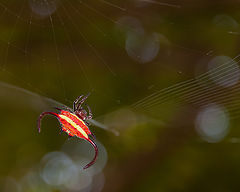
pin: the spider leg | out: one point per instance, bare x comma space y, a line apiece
95, 156
42, 115
76, 101
82, 101
89, 113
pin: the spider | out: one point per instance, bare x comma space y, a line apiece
74, 123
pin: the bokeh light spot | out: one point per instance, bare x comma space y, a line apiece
43, 8
142, 47
57, 168
212, 123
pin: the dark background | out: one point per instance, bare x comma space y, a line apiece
160, 74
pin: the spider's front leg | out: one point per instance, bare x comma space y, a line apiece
82, 101
90, 116
76, 101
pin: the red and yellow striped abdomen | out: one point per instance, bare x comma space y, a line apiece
73, 125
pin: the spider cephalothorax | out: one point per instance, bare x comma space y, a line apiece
74, 123
79, 110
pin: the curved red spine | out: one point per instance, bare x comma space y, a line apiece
42, 115
96, 154
89, 140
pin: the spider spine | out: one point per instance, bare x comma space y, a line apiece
96, 154
74, 123
43, 114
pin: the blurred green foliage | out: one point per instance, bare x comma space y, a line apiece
80, 48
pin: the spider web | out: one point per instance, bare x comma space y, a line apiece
54, 40
52, 37
27, 24
60, 49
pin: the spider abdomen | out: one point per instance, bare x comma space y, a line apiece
73, 125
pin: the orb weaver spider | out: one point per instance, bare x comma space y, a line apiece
74, 123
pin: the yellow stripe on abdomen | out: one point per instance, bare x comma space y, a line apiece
71, 122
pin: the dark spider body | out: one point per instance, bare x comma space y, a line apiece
74, 123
